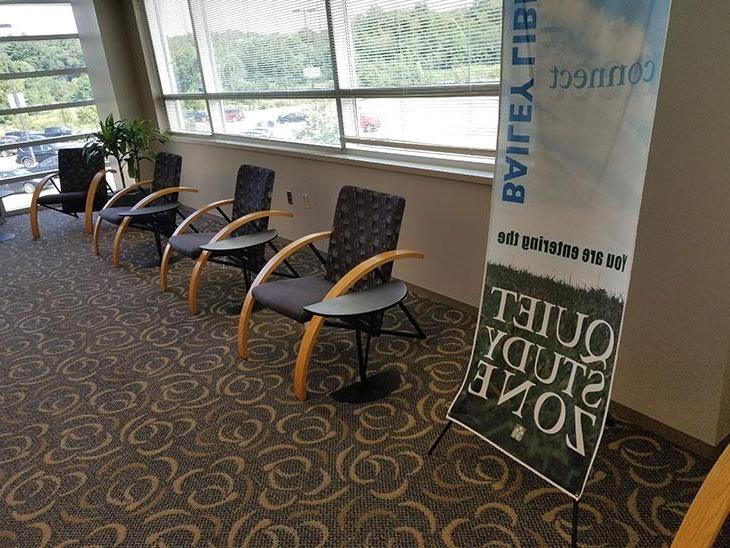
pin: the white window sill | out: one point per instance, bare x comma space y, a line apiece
414, 167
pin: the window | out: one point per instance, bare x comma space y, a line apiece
46, 101
405, 77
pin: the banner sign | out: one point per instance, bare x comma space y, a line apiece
579, 89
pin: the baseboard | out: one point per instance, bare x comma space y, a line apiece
723, 444
442, 299
667, 432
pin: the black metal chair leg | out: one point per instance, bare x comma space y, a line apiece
368, 389
412, 319
154, 263
291, 269
235, 308
288, 265
247, 278
158, 243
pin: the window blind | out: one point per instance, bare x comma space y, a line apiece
391, 75
414, 43
175, 47
260, 45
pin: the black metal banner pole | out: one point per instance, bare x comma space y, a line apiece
449, 424
574, 535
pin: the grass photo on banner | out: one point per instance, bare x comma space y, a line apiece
549, 455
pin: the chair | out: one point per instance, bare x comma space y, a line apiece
709, 510
79, 188
155, 212
360, 256
241, 243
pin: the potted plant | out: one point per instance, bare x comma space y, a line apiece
127, 141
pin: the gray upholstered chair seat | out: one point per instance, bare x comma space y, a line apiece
113, 214
60, 198
289, 297
189, 243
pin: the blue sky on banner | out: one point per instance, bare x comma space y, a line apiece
591, 144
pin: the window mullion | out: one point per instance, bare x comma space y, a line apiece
335, 75
42, 73
204, 67
170, 76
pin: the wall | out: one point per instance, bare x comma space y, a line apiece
113, 78
673, 365
674, 358
447, 220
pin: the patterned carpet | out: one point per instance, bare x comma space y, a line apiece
126, 422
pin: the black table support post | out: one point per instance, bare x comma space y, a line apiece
362, 311
362, 357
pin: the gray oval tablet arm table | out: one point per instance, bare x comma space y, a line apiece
360, 310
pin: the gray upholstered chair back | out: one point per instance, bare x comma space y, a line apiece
254, 188
366, 223
75, 172
168, 168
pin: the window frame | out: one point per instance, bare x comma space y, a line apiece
478, 161
42, 108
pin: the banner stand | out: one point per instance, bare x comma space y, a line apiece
576, 502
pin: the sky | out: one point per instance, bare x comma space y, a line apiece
37, 19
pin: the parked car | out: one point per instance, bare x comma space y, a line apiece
24, 135
369, 123
199, 116
49, 164
261, 131
7, 141
234, 115
57, 131
29, 156
292, 117
17, 188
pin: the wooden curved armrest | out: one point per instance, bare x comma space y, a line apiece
139, 205
99, 178
266, 272
42, 184
160, 193
131, 188
189, 220
231, 227
366, 267
301, 369
114, 199
709, 509
222, 234
34, 228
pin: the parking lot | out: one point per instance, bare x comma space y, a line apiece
462, 122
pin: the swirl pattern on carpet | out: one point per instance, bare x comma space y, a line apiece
124, 421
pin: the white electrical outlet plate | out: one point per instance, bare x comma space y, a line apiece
305, 200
